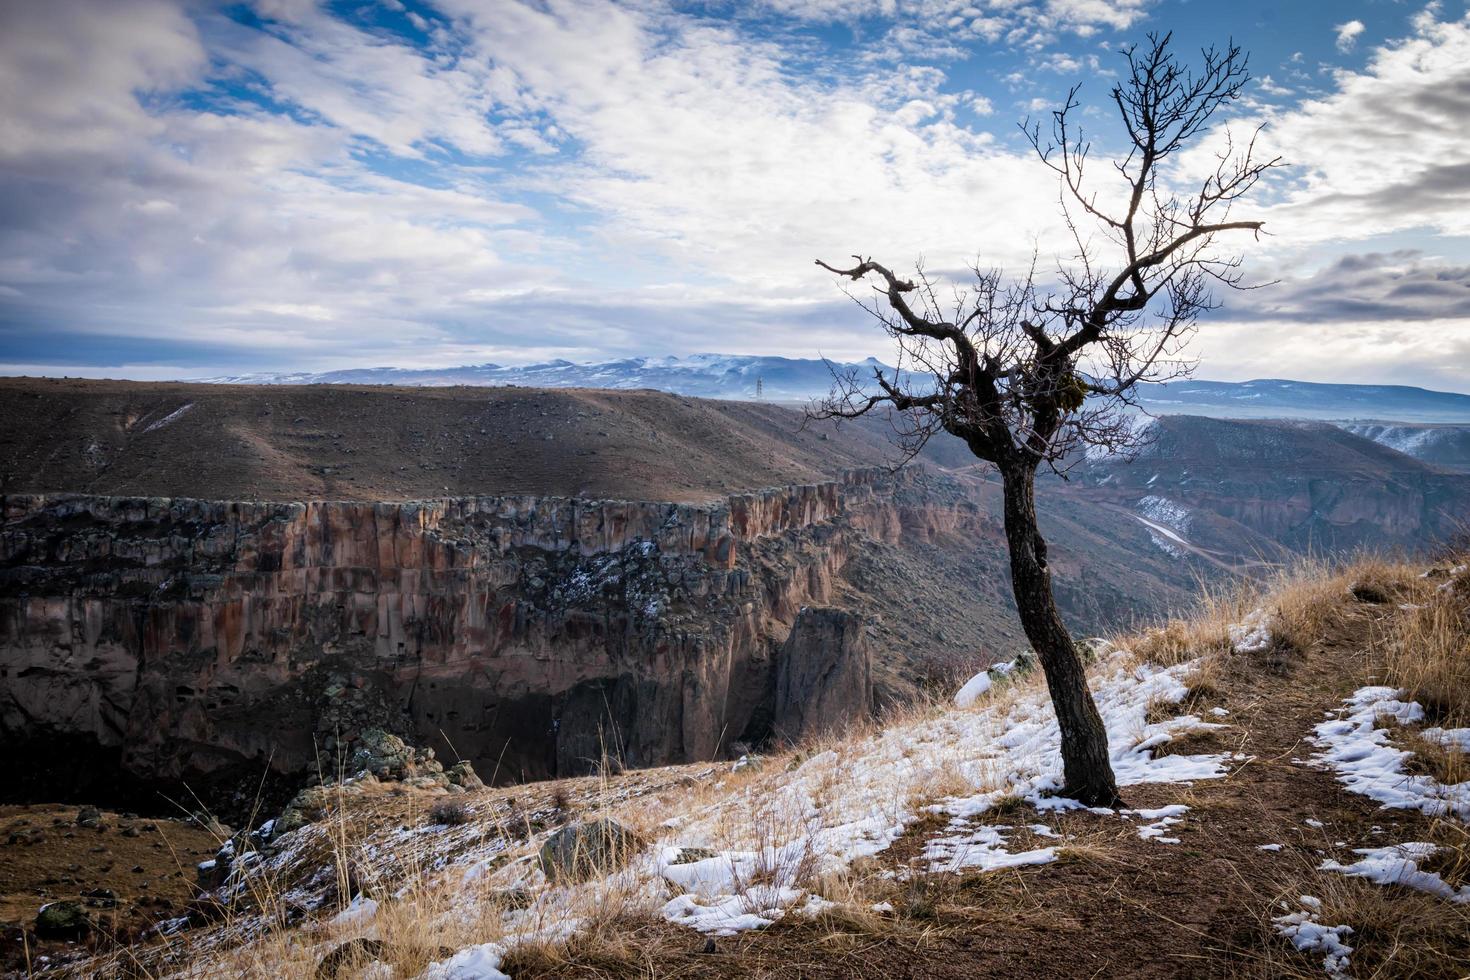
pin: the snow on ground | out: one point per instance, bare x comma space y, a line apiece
1398, 864
1313, 937
973, 689
1162, 510
1162, 819
981, 683
1253, 634
1003, 750
1450, 738
772, 833
1367, 763
982, 848
170, 417
475, 963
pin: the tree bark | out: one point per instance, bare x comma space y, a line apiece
1086, 768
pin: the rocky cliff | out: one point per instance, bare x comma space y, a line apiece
532, 635
1300, 486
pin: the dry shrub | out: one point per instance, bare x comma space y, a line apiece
1159, 709
1191, 743
1205, 682
1179, 640
1452, 861
610, 947
1307, 602
1429, 655
1312, 602
935, 783
449, 813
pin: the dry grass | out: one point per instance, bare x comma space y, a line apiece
1397, 932
1202, 633
1428, 651
1452, 861
1444, 763
1313, 602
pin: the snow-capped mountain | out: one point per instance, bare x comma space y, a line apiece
797, 379
705, 375
1276, 398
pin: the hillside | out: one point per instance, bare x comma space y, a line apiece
1446, 446
376, 443
1260, 840
1251, 488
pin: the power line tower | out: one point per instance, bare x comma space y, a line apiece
760, 387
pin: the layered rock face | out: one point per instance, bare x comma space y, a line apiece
1309, 486
825, 665
534, 636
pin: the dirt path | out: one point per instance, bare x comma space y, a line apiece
1115, 904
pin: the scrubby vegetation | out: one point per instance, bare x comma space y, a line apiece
1245, 849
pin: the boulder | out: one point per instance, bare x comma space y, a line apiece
348, 959
62, 920
584, 851
690, 855
89, 816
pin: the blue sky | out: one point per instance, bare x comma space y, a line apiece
190, 189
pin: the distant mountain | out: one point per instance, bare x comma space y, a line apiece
700, 375
1275, 398
797, 380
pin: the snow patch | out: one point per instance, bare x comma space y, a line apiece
973, 689
471, 963
1398, 864
1162, 819
981, 848
1366, 763
1252, 634
1313, 937
170, 417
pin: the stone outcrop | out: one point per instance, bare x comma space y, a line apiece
533, 636
825, 676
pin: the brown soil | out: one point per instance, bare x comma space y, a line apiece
1113, 905
383, 443
147, 865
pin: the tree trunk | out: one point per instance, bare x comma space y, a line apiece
1086, 769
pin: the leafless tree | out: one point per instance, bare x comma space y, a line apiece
1031, 374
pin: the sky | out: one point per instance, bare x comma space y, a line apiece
192, 189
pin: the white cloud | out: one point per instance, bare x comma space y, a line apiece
935, 26
627, 177
1425, 353
1347, 35
1383, 153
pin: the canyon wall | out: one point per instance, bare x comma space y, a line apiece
532, 635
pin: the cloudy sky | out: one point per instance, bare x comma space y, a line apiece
189, 189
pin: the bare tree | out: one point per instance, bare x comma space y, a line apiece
1031, 375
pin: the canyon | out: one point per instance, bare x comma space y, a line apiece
536, 636
214, 590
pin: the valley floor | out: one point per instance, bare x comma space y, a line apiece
1274, 790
